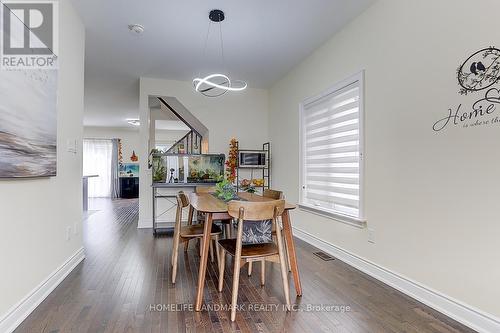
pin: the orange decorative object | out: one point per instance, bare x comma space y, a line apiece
134, 157
232, 161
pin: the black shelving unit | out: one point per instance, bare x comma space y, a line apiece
266, 171
129, 187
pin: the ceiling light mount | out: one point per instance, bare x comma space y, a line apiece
136, 28
216, 15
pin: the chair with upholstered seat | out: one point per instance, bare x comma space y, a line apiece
276, 195
186, 233
252, 213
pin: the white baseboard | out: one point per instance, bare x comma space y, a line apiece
19, 312
463, 313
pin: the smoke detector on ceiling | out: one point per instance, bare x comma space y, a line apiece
136, 28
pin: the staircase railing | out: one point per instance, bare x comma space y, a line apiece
188, 144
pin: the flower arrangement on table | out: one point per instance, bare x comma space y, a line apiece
251, 185
247, 186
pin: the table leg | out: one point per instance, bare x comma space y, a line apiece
154, 211
190, 222
203, 260
287, 230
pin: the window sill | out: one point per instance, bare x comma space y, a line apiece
355, 222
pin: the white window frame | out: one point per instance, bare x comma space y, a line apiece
355, 221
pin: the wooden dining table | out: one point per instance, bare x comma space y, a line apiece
216, 209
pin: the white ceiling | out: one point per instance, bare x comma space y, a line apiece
263, 40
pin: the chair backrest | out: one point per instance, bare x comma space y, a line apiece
182, 200
255, 211
205, 189
256, 220
273, 194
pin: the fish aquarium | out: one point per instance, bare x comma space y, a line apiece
186, 168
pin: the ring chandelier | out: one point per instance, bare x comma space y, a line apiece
217, 84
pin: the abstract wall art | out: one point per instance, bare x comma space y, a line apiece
28, 123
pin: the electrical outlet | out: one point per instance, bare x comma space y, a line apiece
371, 236
68, 233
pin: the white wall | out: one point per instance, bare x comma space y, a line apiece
430, 197
129, 138
169, 136
242, 115
35, 213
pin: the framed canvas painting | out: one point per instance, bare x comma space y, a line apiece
28, 116
28, 123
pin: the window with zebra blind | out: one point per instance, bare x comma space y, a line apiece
331, 134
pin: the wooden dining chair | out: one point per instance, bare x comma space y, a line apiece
205, 189
273, 194
186, 233
276, 195
201, 216
247, 213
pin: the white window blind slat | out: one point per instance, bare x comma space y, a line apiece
334, 113
329, 128
331, 151
333, 136
336, 189
326, 130
328, 141
335, 121
334, 156
319, 108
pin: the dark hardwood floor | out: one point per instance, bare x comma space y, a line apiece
124, 285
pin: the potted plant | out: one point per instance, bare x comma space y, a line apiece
159, 170
156, 163
225, 190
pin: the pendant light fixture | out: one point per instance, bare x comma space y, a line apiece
216, 84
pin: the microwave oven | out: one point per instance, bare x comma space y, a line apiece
252, 159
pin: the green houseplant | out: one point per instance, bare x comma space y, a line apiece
225, 190
155, 162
